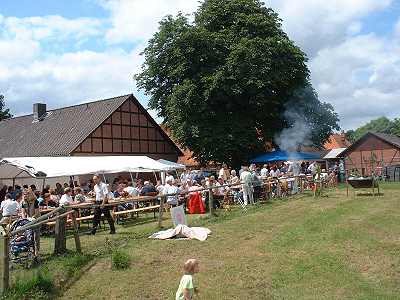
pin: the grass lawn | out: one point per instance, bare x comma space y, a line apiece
333, 247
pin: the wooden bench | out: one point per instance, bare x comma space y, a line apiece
136, 210
69, 221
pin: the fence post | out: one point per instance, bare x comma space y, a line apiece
211, 202
5, 261
60, 243
76, 232
161, 211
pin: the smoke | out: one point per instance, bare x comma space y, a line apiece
298, 134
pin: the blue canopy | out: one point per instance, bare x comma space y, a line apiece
280, 155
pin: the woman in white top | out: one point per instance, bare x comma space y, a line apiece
66, 199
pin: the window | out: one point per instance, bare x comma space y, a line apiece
135, 147
87, 145
116, 118
144, 146
126, 132
107, 145
97, 145
126, 118
160, 147
152, 134
117, 146
143, 134
152, 147
134, 120
107, 131
97, 132
126, 146
135, 132
116, 131
143, 120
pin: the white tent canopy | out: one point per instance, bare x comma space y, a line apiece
50, 167
334, 153
172, 165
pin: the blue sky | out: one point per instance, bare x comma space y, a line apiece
67, 9
67, 52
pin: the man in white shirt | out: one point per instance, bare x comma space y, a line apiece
66, 198
312, 168
264, 171
101, 191
169, 189
170, 178
132, 191
9, 208
246, 179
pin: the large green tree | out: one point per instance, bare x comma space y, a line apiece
223, 82
4, 112
380, 125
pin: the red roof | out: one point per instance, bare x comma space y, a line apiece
337, 140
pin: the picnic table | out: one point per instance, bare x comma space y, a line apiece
88, 204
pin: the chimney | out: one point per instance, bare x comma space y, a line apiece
39, 112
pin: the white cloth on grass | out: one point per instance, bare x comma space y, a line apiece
183, 231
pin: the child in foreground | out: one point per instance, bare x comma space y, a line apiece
186, 288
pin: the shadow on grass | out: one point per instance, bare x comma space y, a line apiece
369, 194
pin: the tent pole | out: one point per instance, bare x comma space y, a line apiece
163, 178
130, 173
137, 175
104, 178
155, 175
44, 182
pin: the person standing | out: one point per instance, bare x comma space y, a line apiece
186, 289
342, 172
30, 209
264, 171
172, 191
246, 179
101, 191
224, 172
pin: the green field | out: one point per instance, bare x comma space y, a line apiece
332, 247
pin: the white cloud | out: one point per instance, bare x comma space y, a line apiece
360, 77
316, 24
358, 73
29, 72
57, 27
137, 20
70, 78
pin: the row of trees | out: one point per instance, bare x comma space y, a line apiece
380, 125
223, 82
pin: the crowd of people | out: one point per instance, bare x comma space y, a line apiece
242, 185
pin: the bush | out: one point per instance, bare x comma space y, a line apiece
39, 286
120, 260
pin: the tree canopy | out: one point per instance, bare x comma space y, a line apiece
4, 112
379, 125
223, 82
